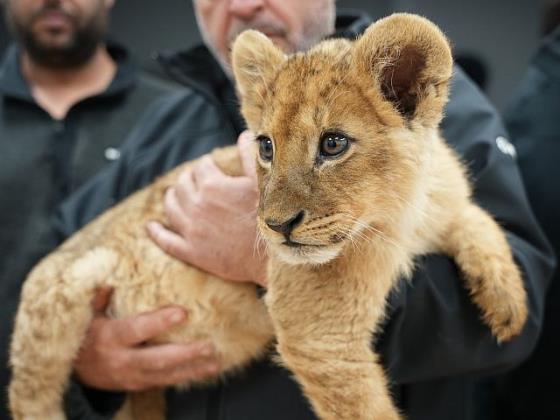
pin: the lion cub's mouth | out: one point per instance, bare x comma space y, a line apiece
294, 252
304, 243
293, 244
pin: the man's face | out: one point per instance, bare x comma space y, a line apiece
58, 33
293, 25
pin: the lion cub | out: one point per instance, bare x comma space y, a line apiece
354, 181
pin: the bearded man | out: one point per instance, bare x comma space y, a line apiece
67, 102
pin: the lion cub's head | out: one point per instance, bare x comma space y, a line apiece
343, 131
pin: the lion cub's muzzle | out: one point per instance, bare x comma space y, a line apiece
304, 239
287, 226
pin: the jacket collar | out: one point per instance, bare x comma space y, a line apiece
12, 82
14, 85
196, 68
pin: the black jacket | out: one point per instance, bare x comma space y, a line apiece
533, 121
434, 343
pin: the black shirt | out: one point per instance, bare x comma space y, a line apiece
43, 160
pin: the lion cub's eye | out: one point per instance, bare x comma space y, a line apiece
333, 144
266, 151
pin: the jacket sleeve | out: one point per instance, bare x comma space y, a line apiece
177, 128
433, 330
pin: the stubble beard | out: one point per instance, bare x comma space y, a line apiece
80, 47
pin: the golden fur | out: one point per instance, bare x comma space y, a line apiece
396, 193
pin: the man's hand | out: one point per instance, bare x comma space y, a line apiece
114, 357
212, 217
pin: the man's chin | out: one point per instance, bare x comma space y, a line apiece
306, 254
59, 50
52, 35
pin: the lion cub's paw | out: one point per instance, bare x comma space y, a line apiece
498, 291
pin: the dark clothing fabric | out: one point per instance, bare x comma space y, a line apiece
197, 69
533, 120
433, 343
43, 160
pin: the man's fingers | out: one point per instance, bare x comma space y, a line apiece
172, 364
186, 187
174, 212
140, 328
168, 357
101, 299
247, 149
184, 198
170, 242
206, 168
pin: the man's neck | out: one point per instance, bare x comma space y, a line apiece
57, 90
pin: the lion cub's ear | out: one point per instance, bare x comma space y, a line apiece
255, 60
410, 61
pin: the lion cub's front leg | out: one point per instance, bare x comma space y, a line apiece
324, 325
481, 250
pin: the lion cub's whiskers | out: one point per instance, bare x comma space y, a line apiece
369, 228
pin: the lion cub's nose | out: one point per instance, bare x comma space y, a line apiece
285, 227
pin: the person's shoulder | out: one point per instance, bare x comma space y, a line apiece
461, 85
172, 120
168, 72
163, 86
470, 117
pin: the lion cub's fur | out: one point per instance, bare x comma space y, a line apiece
114, 250
397, 192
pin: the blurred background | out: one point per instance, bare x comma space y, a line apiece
494, 38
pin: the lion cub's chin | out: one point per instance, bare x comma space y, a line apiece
306, 254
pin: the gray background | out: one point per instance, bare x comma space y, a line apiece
504, 33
